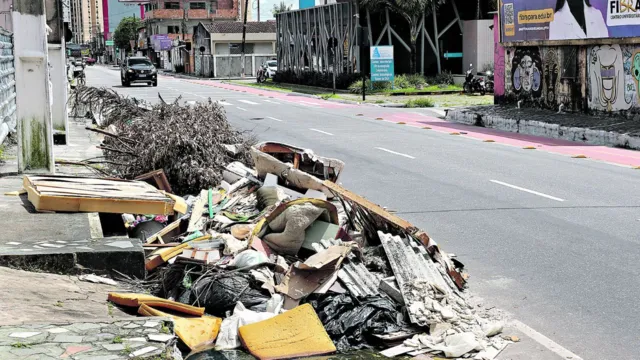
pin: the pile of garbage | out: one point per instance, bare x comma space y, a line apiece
281, 261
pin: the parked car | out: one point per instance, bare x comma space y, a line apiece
271, 67
138, 70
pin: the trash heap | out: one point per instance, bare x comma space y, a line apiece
286, 263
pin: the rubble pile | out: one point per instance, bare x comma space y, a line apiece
190, 144
266, 252
289, 257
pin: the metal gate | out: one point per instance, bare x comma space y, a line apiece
7, 86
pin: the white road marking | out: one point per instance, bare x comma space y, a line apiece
272, 118
243, 109
248, 102
395, 152
224, 103
322, 132
309, 102
273, 102
545, 341
526, 190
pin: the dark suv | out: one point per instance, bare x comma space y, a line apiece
138, 70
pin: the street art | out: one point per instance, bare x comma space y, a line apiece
526, 72
607, 79
551, 70
498, 62
508, 60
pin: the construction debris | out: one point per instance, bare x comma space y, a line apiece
284, 261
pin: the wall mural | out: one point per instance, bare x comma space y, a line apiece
551, 71
498, 61
526, 72
607, 80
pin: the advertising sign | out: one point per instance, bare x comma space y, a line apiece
161, 42
382, 63
109, 43
527, 20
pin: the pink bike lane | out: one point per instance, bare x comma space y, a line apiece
574, 149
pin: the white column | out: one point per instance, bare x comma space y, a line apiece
33, 94
58, 75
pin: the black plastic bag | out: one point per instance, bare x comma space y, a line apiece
218, 293
351, 323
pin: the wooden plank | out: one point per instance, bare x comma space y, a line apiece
114, 187
197, 210
158, 177
179, 205
45, 190
167, 229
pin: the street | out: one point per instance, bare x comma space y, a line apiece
550, 239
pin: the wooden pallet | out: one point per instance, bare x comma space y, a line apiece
78, 194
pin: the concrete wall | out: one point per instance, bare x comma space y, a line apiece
222, 48
477, 44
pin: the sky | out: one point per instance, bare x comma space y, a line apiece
267, 5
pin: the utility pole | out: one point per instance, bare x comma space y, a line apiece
244, 33
33, 90
258, 1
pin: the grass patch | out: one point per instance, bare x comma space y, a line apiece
379, 101
328, 96
267, 84
127, 350
117, 340
432, 88
165, 329
110, 309
59, 303
419, 103
2, 149
20, 345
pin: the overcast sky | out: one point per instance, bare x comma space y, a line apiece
267, 5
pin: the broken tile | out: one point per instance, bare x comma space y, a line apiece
38, 247
163, 338
12, 243
120, 244
143, 351
136, 339
113, 347
151, 324
131, 326
61, 241
23, 335
57, 330
83, 248
71, 350
68, 339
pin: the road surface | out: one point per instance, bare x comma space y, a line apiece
553, 240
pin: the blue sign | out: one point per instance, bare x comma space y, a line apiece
452, 55
382, 63
305, 4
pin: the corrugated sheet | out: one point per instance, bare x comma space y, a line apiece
411, 264
354, 275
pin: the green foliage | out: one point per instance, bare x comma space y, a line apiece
278, 8
127, 30
20, 345
416, 80
117, 340
313, 78
419, 103
444, 78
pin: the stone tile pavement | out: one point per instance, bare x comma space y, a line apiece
135, 339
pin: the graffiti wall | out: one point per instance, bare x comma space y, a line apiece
543, 76
498, 64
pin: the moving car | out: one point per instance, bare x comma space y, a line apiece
138, 70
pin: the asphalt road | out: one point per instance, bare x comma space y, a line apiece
550, 239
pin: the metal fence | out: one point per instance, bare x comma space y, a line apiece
7, 86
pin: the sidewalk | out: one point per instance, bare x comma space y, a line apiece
612, 131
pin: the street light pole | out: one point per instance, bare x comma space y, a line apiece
244, 34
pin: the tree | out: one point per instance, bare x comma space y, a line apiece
282, 7
411, 11
127, 30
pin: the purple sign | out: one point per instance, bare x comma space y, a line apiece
161, 42
526, 20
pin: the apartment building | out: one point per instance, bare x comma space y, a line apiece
87, 20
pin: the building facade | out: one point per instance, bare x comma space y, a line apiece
546, 56
87, 21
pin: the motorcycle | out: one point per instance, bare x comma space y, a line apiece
262, 74
489, 82
473, 84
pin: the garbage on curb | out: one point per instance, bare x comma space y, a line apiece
265, 252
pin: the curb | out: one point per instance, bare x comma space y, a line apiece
538, 128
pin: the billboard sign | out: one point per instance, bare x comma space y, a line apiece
531, 20
161, 42
381, 63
